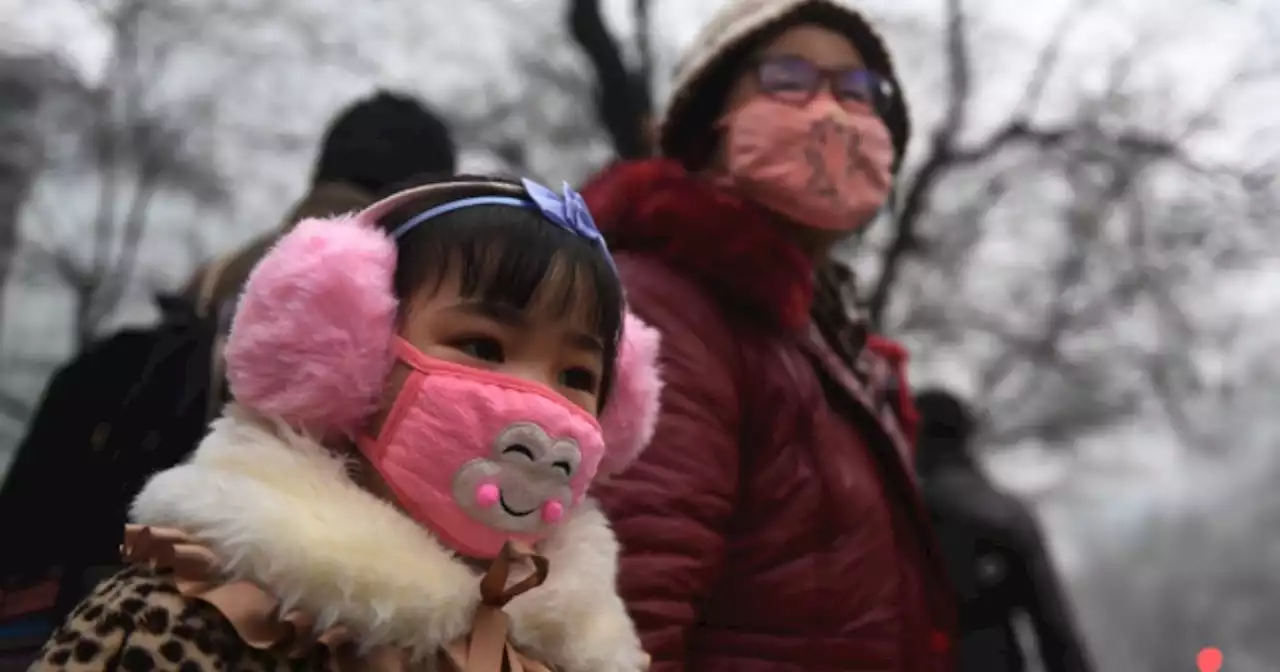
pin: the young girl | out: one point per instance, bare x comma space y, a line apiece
424, 391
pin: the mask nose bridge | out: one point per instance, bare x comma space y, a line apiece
531, 373
828, 106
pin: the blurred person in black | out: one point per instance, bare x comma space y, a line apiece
139, 401
994, 551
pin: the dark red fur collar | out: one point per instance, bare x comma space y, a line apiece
733, 246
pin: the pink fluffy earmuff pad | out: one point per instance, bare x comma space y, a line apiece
631, 416
311, 339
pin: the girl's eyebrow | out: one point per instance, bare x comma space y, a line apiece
513, 317
584, 341
502, 313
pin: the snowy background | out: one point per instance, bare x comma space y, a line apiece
1086, 228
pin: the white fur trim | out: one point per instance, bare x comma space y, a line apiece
279, 509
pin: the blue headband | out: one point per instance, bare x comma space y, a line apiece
568, 212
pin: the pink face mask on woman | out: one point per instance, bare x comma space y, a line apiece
821, 165
480, 457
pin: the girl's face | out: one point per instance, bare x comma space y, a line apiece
539, 343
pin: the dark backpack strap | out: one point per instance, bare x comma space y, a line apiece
208, 285
218, 310
217, 395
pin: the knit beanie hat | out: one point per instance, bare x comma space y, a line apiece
716, 59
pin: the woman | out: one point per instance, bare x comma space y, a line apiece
773, 523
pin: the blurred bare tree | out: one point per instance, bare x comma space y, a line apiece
25, 82
577, 108
110, 167
1096, 319
129, 145
145, 131
1133, 226
623, 100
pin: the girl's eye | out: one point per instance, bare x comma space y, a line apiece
578, 379
482, 348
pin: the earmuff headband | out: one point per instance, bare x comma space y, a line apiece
567, 211
458, 205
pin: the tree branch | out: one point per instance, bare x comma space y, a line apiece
14, 408
642, 80
644, 46
1063, 314
115, 285
622, 98
945, 155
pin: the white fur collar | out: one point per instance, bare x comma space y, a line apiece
280, 510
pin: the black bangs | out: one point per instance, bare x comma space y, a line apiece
510, 255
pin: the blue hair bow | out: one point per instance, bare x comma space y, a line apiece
569, 212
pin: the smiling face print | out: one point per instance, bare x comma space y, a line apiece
524, 484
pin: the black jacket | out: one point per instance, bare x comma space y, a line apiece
125, 407
1000, 569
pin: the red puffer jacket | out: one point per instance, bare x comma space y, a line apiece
773, 523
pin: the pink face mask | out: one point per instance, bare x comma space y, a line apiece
480, 457
822, 165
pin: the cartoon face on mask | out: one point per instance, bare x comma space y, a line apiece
480, 457
524, 484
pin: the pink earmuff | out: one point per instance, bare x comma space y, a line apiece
631, 413
311, 339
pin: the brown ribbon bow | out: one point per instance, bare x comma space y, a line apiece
256, 615
489, 649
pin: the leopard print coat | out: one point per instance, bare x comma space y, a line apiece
137, 621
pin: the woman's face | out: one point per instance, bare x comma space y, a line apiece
829, 51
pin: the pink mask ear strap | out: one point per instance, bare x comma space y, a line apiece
373, 446
405, 352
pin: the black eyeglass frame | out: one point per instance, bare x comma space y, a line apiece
882, 90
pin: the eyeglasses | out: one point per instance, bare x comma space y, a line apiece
796, 80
